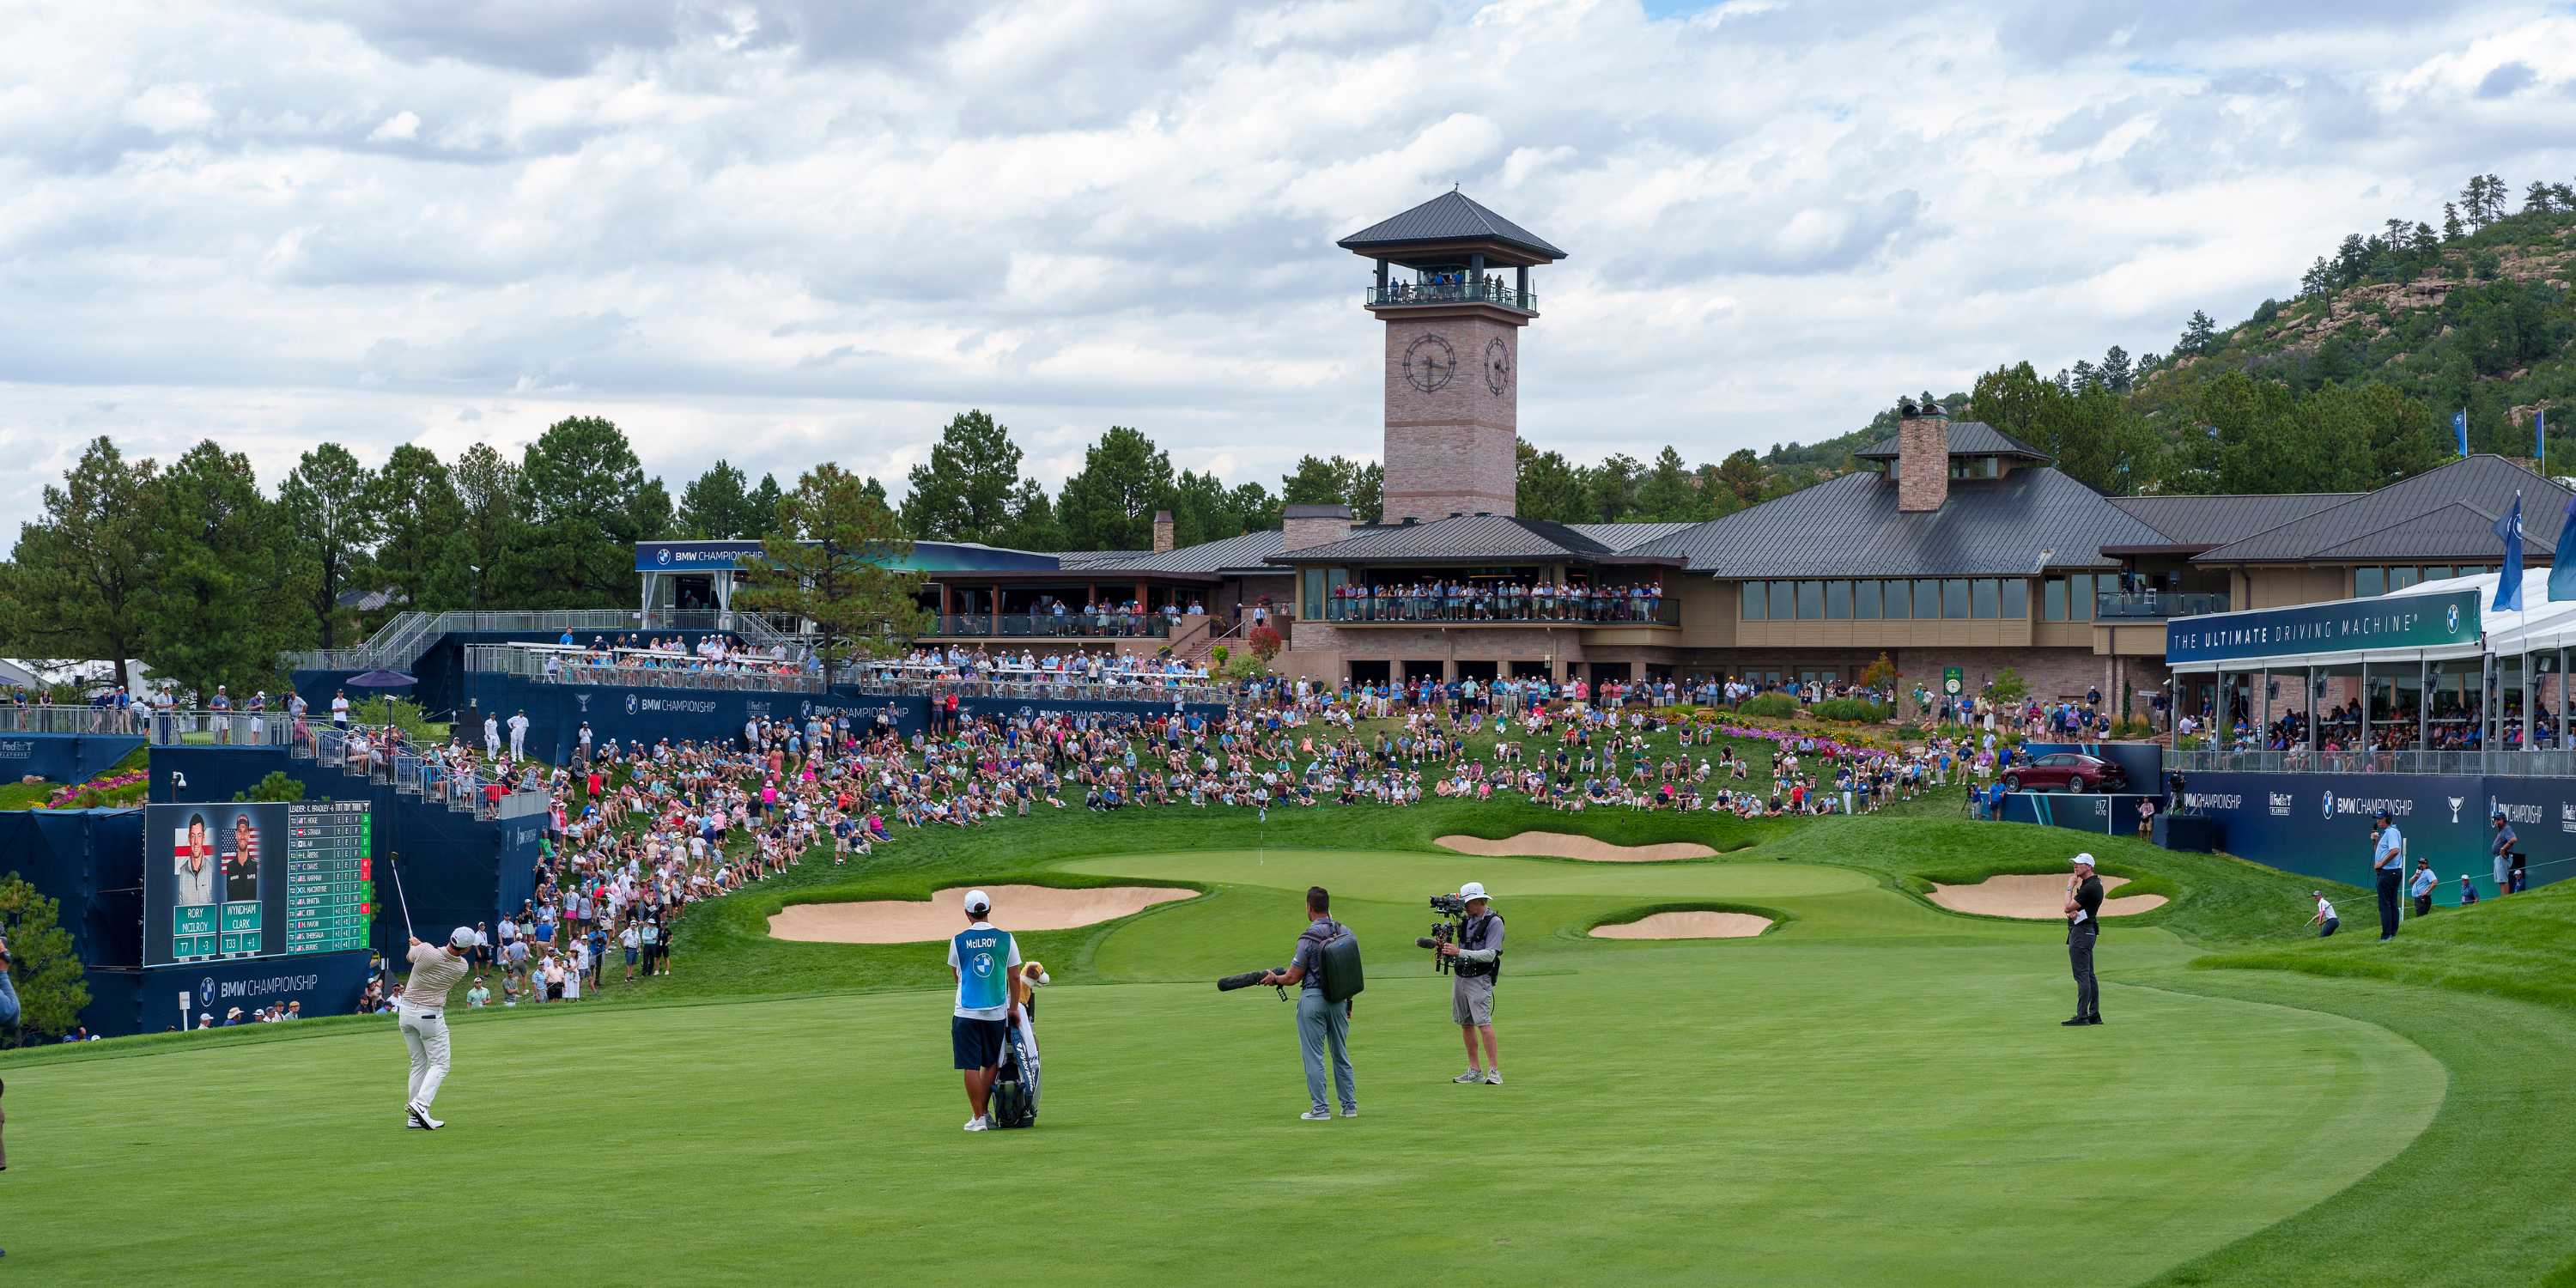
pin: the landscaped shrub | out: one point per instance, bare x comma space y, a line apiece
1853, 710
1779, 705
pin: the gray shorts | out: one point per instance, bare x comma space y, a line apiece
1471, 1000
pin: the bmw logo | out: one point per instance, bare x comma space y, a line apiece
631, 703
663, 557
206, 991
804, 708
2328, 810
2454, 618
983, 965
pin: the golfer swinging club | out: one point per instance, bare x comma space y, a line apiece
435, 968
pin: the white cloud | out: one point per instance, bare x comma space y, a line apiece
784, 230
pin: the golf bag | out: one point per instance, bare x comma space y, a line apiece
1015, 1088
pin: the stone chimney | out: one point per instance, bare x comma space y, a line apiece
1922, 457
1302, 526
1162, 532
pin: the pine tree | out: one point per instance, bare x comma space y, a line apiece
2116, 375
2451, 229
2199, 336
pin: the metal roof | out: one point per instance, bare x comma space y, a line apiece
1629, 536
2218, 520
1967, 438
2383, 524
1072, 559
1248, 551
1450, 217
1464, 538
1849, 526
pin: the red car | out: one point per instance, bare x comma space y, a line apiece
2071, 771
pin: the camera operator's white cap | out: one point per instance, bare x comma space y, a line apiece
978, 901
2084, 860
461, 937
1472, 890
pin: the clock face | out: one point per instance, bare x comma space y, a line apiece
1429, 362
1498, 366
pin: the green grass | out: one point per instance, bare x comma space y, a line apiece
1874, 1092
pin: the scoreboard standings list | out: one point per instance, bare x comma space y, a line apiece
236, 880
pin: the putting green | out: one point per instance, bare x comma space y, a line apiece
1410, 878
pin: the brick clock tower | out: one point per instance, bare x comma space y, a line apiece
1453, 290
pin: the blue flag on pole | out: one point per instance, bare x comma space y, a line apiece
2562, 567
2540, 434
2460, 428
2508, 530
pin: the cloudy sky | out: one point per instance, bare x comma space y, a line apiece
779, 231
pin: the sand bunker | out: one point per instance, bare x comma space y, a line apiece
1561, 845
1015, 907
2039, 897
1687, 925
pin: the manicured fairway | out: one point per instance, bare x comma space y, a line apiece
1877, 1093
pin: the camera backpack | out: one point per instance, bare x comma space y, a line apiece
1340, 954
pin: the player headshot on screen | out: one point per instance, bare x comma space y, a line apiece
194, 862
241, 864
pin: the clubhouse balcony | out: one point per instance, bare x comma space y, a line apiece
1451, 289
1477, 606
2114, 605
1086, 624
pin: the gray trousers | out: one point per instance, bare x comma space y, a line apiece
1319, 1021
2079, 956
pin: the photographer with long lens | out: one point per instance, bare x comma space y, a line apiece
1326, 970
1473, 953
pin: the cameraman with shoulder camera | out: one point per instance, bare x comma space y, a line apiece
1477, 958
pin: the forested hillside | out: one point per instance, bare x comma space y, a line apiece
2350, 383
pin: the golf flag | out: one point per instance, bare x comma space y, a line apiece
2460, 428
2508, 530
2540, 435
2562, 567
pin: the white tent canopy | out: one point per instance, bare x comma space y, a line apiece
2540, 626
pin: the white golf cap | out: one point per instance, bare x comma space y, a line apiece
461, 937
1472, 890
2084, 860
978, 901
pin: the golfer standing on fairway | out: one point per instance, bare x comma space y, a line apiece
982, 958
2083, 928
435, 968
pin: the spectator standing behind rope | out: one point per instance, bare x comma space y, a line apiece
2083, 929
2422, 887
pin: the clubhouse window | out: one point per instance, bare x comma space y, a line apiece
1838, 596
1755, 600
2066, 599
2379, 580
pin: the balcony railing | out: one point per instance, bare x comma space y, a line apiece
1073, 625
1400, 294
2538, 762
639, 668
2114, 604
1503, 608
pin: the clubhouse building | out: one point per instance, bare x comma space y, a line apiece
1954, 545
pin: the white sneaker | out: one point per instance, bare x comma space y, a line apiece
1472, 1075
1316, 1116
420, 1117
978, 1124
1494, 1079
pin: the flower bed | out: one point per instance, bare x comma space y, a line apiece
105, 790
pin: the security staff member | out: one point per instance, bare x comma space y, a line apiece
1319, 1023
2387, 867
1478, 954
2502, 850
2083, 927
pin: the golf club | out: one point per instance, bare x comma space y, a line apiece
393, 864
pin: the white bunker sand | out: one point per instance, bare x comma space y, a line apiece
1687, 925
1562, 845
913, 921
2040, 897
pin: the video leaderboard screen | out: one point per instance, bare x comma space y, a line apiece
231, 880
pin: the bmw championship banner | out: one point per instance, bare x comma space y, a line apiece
2319, 824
